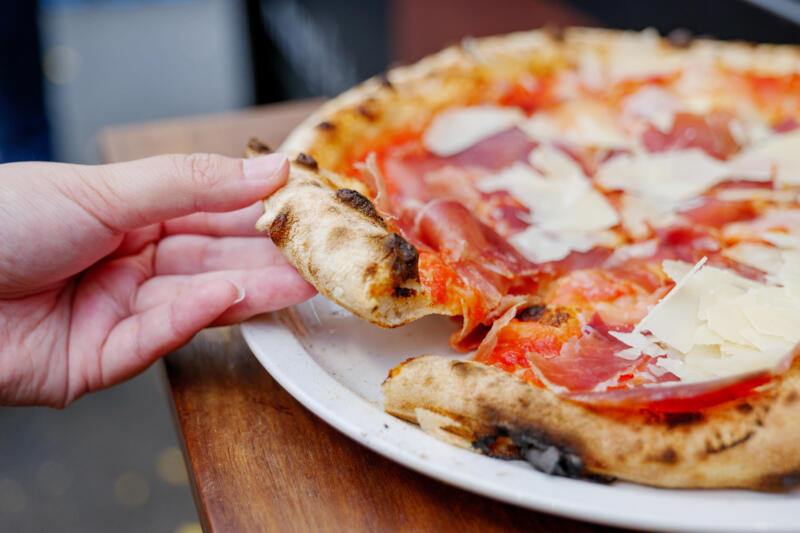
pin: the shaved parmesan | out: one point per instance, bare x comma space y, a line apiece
668, 321
765, 258
580, 124
454, 130
567, 213
780, 150
715, 323
663, 177
653, 104
639, 343
782, 240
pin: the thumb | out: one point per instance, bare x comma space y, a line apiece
125, 196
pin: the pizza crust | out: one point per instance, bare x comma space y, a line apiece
748, 443
338, 242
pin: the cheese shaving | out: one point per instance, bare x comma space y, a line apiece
715, 323
454, 130
567, 213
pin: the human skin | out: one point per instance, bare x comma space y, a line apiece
103, 269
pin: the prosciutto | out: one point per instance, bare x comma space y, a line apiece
451, 229
711, 133
675, 397
586, 361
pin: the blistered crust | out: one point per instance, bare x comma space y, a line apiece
337, 241
749, 443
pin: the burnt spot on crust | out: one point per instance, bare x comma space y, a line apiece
555, 32
780, 482
279, 229
464, 370
532, 313
536, 448
370, 271
668, 456
545, 455
307, 161
360, 203
726, 446
744, 408
680, 38
366, 112
791, 398
257, 147
404, 292
384, 79
682, 419
549, 316
337, 236
326, 126
547, 452
403, 257
499, 446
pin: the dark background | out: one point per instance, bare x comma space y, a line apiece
68, 68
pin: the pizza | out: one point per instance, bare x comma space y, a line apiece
611, 220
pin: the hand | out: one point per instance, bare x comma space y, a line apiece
103, 269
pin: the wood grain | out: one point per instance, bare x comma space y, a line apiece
258, 460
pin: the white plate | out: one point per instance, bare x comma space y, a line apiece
334, 363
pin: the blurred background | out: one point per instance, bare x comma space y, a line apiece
68, 68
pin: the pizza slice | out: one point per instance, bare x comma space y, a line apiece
612, 222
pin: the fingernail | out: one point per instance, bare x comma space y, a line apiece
263, 167
241, 294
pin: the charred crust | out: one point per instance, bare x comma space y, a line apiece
366, 112
326, 126
337, 236
780, 482
547, 456
532, 313
307, 161
680, 38
360, 203
546, 452
682, 419
383, 78
403, 257
404, 292
668, 456
549, 316
370, 271
744, 408
279, 229
726, 446
463, 369
257, 147
555, 32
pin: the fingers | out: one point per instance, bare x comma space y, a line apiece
140, 339
266, 289
130, 195
240, 223
195, 254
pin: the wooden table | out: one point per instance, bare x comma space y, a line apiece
257, 459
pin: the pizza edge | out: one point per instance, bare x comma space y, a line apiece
747, 443
337, 241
